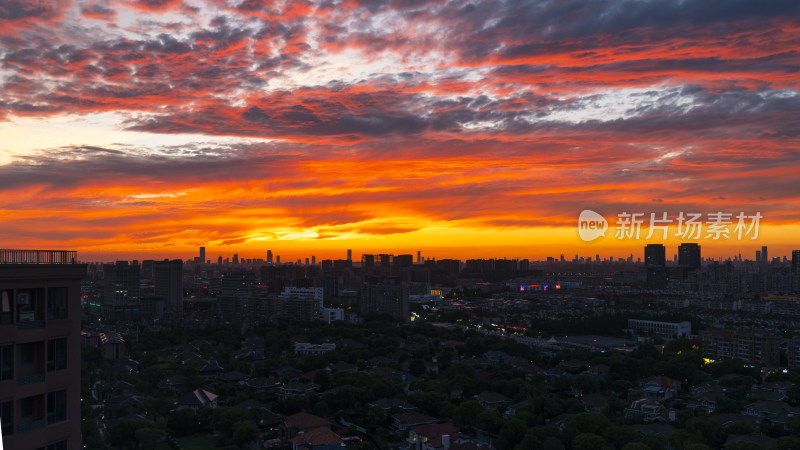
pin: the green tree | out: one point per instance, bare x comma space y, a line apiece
466, 413
742, 445
149, 437
789, 443
711, 432
417, 367
158, 406
589, 441
244, 431
512, 433
490, 420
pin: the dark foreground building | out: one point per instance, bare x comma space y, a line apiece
40, 357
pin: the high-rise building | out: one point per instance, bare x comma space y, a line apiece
758, 256
121, 291
349, 255
40, 353
313, 260
168, 281
236, 258
238, 283
689, 255
385, 260
764, 256
277, 259
269, 256
367, 260
202, 255
419, 257
655, 261
752, 346
401, 261
385, 296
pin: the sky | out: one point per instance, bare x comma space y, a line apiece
148, 128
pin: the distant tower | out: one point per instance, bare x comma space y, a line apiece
764, 256
168, 282
349, 255
313, 260
278, 259
121, 291
758, 256
269, 256
202, 255
655, 261
689, 255
236, 258
419, 256
219, 260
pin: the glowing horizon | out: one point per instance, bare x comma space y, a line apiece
154, 127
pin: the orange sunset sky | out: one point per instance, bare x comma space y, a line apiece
147, 128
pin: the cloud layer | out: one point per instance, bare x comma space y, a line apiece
394, 118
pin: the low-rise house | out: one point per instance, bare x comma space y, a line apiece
773, 412
573, 365
492, 400
599, 370
660, 387
649, 410
389, 404
594, 402
305, 422
232, 379
406, 421
305, 348
512, 410
210, 371
758, 439
263, 385
433, 436
296, 388
197, 399
497, 356
317, 439
705, 400
173, 383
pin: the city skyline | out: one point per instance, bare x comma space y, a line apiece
638, 255
154, 127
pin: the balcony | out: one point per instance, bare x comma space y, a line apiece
30, 426
30, 325
30, 379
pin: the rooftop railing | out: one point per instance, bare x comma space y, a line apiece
38, 256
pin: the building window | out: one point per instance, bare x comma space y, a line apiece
26, 305
57, 406
56, 354
61, 445
7, 416
27, 353
26, 408
6, 362
57, 303
6, 313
